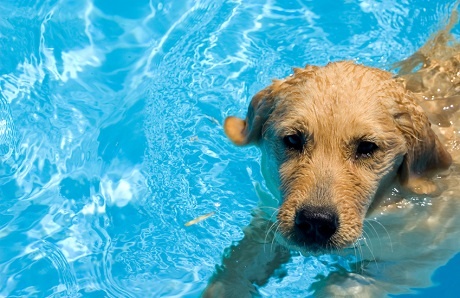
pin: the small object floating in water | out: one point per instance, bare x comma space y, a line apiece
198, 219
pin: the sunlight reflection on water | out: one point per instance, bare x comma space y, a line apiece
110, 134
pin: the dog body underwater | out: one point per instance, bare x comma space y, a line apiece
333, 140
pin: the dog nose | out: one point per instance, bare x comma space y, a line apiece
316, 225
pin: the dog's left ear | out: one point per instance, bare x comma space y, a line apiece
243, 132
425, 153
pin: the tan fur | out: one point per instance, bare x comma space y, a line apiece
334, 107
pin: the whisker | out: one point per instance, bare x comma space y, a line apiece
361, 257
273, 214
269, 221
269, 230
274, 234
375, 232
370, 249
358, 260
386, 231
369, 244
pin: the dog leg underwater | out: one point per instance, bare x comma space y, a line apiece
252, 261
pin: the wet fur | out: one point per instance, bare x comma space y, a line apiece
333, 108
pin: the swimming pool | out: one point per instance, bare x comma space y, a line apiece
111, 137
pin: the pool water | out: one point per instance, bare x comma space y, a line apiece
111, 136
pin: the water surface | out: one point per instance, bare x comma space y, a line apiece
111, 138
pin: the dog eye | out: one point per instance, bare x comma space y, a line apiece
294, 142
365, 149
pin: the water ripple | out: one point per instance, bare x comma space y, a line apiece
7, 131
111, 138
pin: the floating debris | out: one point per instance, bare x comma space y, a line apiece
199, 218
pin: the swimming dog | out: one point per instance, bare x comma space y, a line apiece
333, 139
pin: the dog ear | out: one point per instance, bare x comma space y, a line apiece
425, 153
243, 132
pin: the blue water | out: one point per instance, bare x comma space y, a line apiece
111, 137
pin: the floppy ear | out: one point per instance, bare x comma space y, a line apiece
243, 132
425, 154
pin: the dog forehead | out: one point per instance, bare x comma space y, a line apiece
342, 97
343, 84
339, 83
346, 122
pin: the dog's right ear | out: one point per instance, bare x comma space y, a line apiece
243, 132
248, 131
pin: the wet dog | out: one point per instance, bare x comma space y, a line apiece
333, 139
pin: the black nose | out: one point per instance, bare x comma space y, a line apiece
315, 225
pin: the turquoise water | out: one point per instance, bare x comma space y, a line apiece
111, 138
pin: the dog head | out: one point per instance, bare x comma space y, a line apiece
331, 138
